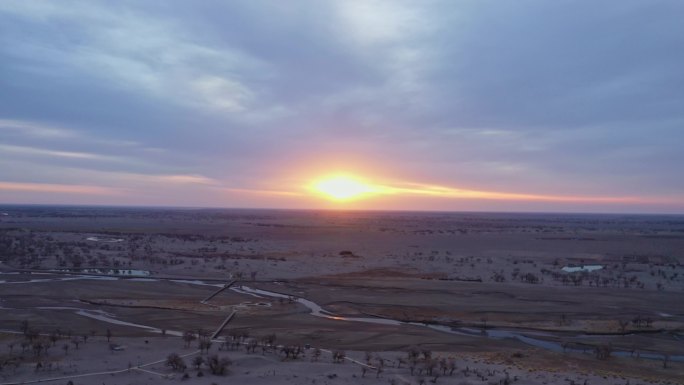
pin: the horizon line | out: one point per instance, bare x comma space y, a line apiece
118, 206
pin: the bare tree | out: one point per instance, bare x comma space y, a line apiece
430, 366
339, 356
37, 348
270, 339
176, 362
251, 346
218, 366
204, 344
198, 361
452, 366
443, 365
623, 325
603, 352
54, 337
316, 354
292, 351
188, 337
413, 354
32, 334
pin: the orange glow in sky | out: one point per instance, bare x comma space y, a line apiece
347, 188
342, 188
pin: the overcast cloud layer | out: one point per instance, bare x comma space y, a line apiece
241, 104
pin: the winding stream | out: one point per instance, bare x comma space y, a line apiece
317, 311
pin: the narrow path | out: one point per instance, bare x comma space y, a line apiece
162, 375
212, 295
223, 325
139, 367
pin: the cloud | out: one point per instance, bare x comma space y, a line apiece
40, 143
59, 188
263, 192
221, 93
52, 133
558, 99
62, 154
183, 179
132, 51
36, 130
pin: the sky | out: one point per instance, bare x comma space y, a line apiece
468, 105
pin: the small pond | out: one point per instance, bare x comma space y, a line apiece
104, 239
574, 269
125, 272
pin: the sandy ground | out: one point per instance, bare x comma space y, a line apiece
478, 273
272, 368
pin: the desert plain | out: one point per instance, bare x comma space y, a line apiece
96, 295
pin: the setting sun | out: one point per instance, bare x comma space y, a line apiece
342, 188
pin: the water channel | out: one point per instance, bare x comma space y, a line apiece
529, 337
